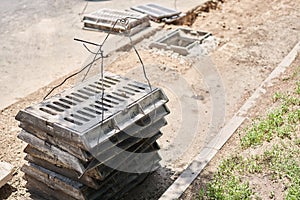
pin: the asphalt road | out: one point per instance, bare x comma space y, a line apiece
37, 44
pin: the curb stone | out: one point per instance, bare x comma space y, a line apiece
209, 151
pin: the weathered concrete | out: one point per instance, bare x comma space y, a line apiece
6, 171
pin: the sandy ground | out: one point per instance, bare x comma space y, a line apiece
254, 36
284, 84
258, 46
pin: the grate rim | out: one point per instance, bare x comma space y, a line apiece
75, 120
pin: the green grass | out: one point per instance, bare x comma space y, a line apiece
283, 163
280, 122
279, 161
298, 87
226, 185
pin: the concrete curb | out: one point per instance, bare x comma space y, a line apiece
6, 173
210, 150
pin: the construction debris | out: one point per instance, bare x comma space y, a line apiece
116, 21
181, 40
86, 144
6, 171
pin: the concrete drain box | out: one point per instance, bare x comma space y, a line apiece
105, 19
85, 144
181, 40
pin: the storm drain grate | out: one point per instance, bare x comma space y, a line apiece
109, 19
157, 12
87, 141
181, 40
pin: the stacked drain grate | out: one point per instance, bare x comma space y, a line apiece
111, 20
159, 13
85, 144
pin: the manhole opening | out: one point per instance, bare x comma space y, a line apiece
181, 40
178, 40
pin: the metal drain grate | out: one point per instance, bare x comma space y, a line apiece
181, 40
109, 156
156, 12
82, 190
95, 140
77, 113
55, 186
105, 19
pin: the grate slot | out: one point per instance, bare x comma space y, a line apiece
100, 84
108, 82
110, 101
112, 79
61, 105
91, 90
86, 114
86, 93
115, 98
80, 96
73, 98
72, 121
48, 111
68, 102
92, 111
79, 117
55, 108
121, 95
130, 93
104, 104
131, 89
95, 86
137, 86
98, 107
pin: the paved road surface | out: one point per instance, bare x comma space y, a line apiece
37, 44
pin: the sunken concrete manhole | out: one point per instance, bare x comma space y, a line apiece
181, 40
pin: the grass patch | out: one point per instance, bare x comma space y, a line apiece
283, 163
280, 122
279, 162
226, 185
298, 87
